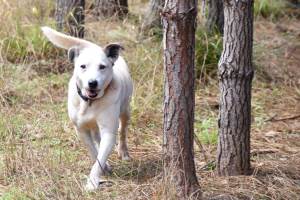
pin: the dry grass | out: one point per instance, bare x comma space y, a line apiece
42, 158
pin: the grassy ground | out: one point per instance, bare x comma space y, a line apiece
41, 157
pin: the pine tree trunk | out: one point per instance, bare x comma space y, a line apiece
215, 19
70, 13
110, 8
179, 25
235, 75
152, 17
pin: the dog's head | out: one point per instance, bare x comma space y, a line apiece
93, 65
93, 68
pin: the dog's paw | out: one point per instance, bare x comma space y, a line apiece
91, 185
94, 184
123, 151
124, 155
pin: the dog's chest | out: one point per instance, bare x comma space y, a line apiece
84, 118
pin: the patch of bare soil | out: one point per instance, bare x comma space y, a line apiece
277, 50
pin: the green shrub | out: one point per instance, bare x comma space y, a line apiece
269, 8
206, 131
21, 39
14, 194
28, 42
208, 51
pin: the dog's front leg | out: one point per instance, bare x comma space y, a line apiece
86, 138
108, 130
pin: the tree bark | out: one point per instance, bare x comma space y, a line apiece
70, 13
215, 19
110, 8
235, 76
179, 25
152, 17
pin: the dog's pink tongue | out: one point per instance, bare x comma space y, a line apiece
91, 93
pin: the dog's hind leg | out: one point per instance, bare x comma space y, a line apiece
122, 146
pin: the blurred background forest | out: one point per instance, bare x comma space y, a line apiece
41, 157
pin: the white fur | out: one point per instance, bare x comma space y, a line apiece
97, 124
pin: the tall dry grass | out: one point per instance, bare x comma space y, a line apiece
41, 157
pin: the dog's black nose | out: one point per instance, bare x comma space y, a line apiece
93, 84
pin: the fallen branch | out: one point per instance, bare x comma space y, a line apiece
209, 166
272, 119
199, 144
256, 152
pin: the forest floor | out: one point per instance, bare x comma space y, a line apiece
41, 157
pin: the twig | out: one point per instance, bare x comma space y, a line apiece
198, 142
256, 152
272, 119
209, 166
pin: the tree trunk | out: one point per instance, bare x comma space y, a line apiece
235, 75
179, 25
110, 8
152, 17
215, 19
70, 13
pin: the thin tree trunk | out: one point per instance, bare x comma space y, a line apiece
152, 17
179, 25
235, 74
110, 8
215, 19
70, 13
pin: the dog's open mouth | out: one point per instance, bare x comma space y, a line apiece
92, 93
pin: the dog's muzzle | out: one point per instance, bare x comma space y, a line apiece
91, 94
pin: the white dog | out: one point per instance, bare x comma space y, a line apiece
98, 97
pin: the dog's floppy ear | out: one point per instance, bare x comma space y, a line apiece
73, 52
112, 51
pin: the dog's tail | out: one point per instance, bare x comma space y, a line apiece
64, 41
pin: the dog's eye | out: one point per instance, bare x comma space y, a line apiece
82, 66
102, 66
